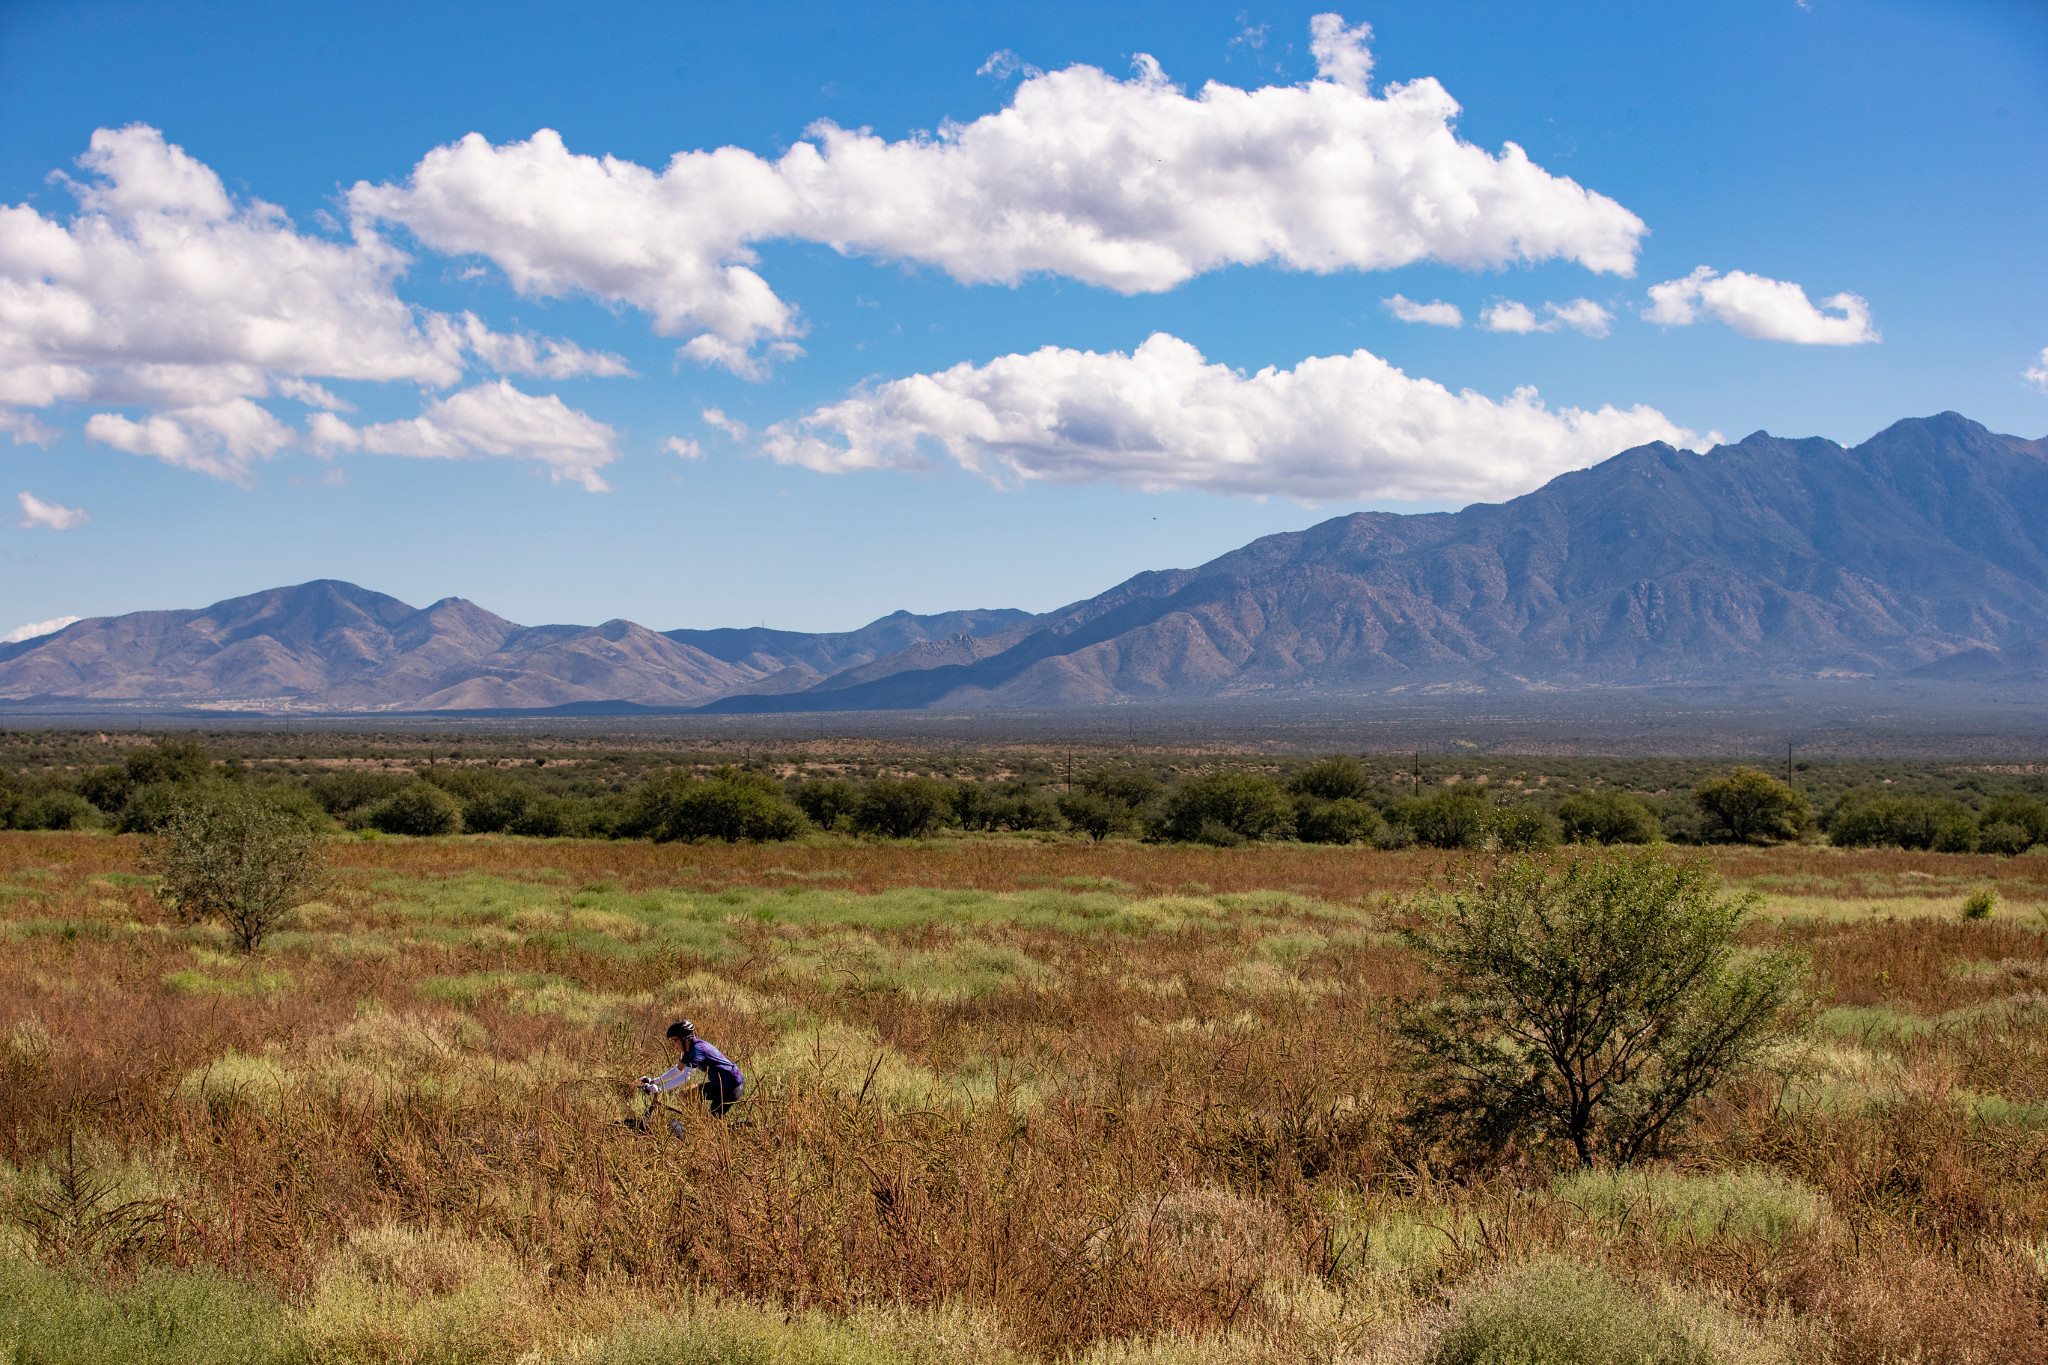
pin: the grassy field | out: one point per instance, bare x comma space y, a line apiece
1008, 1099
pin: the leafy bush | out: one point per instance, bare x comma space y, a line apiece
55, 809
1606, 817
1225, 808
1558, 1312
491, 802
550, 817
1980, 903
732, 806
2027, 814
1524, 829
226, 854
1749, 806
1095, 815
1455, 817
1338, 778
1593, 1004
2004, 838
1132, 788
418, 808
902, 808
828, 803
1877, 819
1345, 820
342, 794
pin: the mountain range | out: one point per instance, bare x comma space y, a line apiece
1920, 553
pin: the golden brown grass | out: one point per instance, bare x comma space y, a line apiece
1049, 1099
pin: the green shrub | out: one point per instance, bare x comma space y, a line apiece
1749, 806
1558, 1312
342, 794
732, 806
1593, 1004
1338, 778
1606, 817
57, 809
551, 817
1344, 820
491, 802
2028, 814
902, 808
418, 808
1454, 817
1524, 829
1980, 903
2003, 837
828, 803
226, 854
1878, 819
1094, 814
1226, 808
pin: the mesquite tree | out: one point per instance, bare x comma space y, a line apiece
1593, 1001
231, 856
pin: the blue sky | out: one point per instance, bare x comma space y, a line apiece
925, 352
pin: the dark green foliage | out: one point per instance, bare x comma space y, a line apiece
1338, 778
902, 807
227, 854
107, 788
1455, 817
417, 808
1606, 817
551, 817
55, 809
1869, 818
732, 806
828, 803
1132, 788
491, 801
1524, 829
148, 807
1593, 1003
342, 794
2003, 837
1343, 820
1227, 808
1749, 806
176, 761
1096, 815
2027, 814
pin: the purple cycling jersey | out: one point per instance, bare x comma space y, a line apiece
705, 1057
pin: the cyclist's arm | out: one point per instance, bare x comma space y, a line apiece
669, 1079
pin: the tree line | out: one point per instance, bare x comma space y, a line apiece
1333, 800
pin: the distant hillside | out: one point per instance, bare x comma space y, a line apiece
1921, 553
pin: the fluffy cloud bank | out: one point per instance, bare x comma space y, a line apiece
35, 512
164, 293
1770, 310
489, 421
1163, 417
38, 628
1129, 184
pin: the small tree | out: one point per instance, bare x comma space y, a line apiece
1227, 808
731, 805
228, 855
1337, 778
1606, 817
1094, 814
1594, 1003
420, 809
902, 808
1749, 806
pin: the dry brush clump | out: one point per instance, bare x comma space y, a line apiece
1005, 1101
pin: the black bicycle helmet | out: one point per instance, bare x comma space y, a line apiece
682, 1030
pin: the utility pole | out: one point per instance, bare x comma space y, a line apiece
1788, 762
1070, 771
1418, 772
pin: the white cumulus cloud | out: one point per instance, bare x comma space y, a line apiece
1581, 315
2037, 373
1435, 313
35, 512
683, 448
36, 629
1130, 184
489, 421
1163, 417
166, 294
1770, 310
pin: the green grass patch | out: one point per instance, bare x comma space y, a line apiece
1748, 1205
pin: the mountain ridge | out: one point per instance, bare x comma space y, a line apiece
1921, 552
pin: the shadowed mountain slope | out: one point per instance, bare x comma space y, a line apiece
1922, 552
